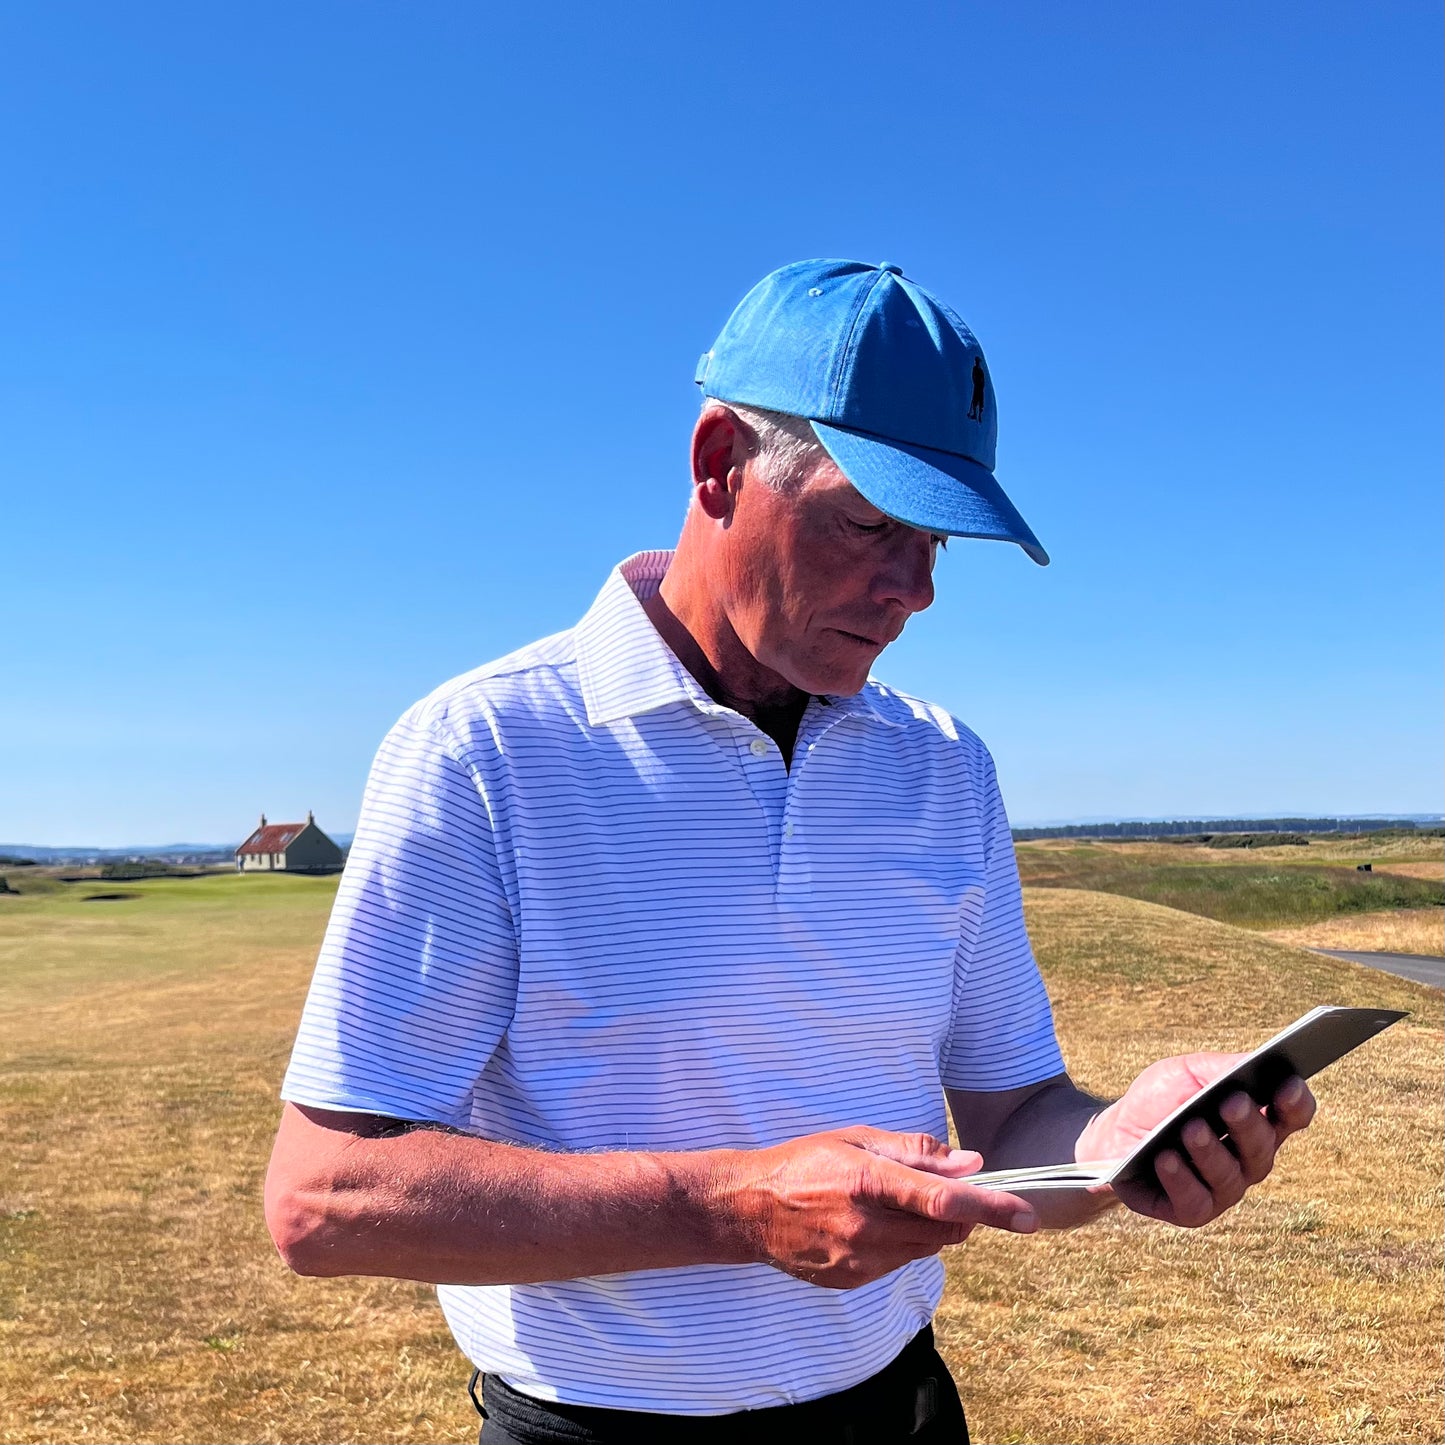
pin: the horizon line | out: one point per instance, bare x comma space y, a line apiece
1088, 820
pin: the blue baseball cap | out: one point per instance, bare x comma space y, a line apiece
894, 383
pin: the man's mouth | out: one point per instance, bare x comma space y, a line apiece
859, 638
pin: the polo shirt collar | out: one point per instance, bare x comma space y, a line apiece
625, 668
867, 704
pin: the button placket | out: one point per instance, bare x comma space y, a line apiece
794, 873
760, 762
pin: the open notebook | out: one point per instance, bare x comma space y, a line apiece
1308, 1045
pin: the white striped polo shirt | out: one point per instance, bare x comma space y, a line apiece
589, 908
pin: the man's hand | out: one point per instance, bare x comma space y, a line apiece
847, 1207
1215, 1175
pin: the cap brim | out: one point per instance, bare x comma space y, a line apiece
934, 491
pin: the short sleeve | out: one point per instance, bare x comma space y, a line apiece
417, 977
1001, 1034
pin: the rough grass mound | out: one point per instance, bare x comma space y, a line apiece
1231, 886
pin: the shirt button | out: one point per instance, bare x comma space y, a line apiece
787, 830
758, 748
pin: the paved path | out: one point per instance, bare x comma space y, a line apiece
1422, 967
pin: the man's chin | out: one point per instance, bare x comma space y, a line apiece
835, 681
829, 671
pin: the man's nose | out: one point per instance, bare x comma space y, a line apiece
907, 577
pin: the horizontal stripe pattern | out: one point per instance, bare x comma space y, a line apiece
588, 908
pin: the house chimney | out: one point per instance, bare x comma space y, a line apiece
310, 816
263, 820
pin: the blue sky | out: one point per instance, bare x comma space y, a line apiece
345, 346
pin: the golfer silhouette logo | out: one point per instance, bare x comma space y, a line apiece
975, 407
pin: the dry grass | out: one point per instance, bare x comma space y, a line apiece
140, 1298
1368, 848
1435, 871
1313, 1313
1376, 848
1352, 848
1409, 930
142, 1042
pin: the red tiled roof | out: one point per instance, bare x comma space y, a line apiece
273, 838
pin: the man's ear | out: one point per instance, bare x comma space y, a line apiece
720, 449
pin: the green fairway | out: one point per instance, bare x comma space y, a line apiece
96, 930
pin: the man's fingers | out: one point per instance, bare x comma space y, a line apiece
952, 1201
1292, 1108
956, 1164
917, 1151
1253, 1137
1144, 1198
1224, 1174
1190, 1202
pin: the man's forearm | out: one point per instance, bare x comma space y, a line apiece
360, 1194
451, 1209
1045, 1129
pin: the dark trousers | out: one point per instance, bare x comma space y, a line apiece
911, 1400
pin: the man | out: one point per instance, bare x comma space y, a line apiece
663, 941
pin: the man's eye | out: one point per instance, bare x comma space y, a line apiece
869, 527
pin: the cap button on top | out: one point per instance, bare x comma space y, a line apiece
890, 268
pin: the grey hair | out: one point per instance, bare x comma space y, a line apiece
786, 447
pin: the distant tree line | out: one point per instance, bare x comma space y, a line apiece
1202, 831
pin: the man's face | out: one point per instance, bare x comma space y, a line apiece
819, 581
